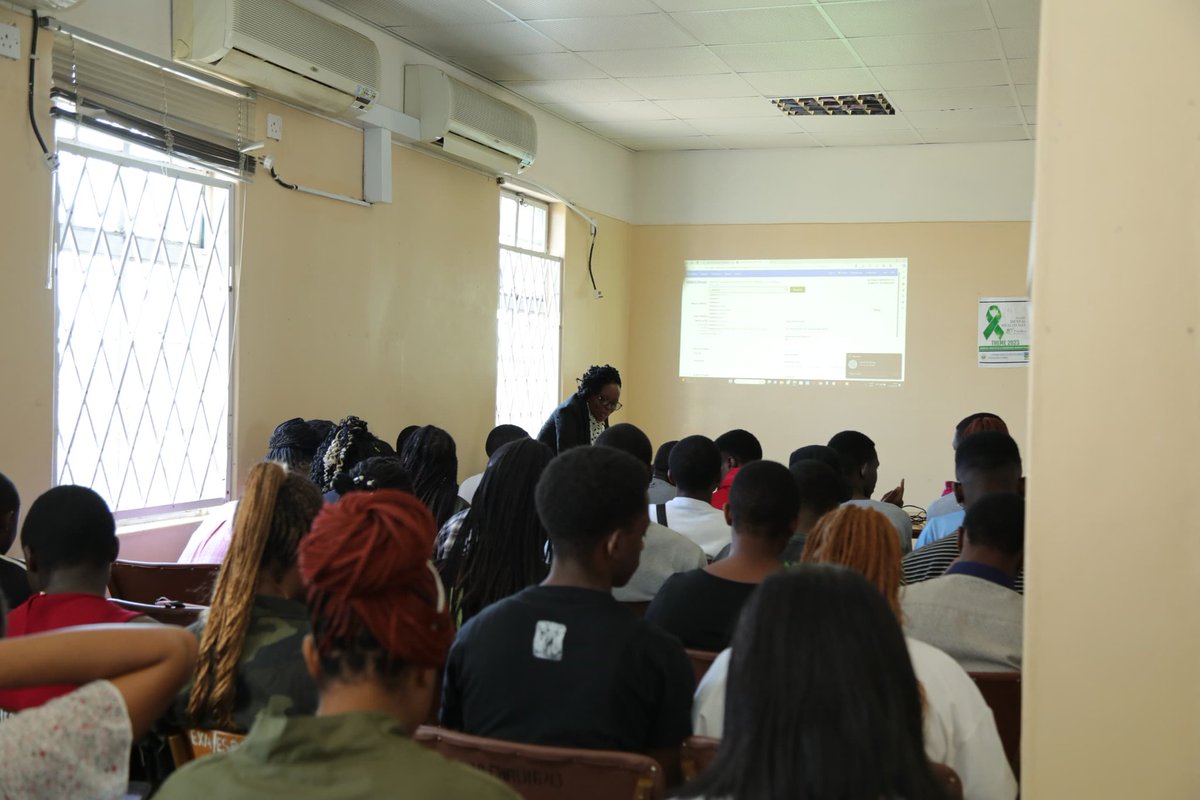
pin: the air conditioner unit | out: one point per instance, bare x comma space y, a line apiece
280, 48
46, 5
467, 123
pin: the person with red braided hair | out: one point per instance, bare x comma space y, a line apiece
380, 632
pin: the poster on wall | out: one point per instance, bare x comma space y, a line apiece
1003, 331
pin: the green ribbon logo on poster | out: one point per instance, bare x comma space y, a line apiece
992, 315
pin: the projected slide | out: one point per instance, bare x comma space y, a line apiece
798, 320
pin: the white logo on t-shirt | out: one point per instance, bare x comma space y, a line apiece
548, 640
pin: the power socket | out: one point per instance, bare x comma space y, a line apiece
10, 42
274, 127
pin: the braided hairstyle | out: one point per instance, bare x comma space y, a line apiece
293, 443
596, 378
375, 600
501, 547
348, 443
862, 539
431, 460
274, 514
376, 472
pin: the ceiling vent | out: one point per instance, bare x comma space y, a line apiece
842, 105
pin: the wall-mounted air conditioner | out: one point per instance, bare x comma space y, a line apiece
280, 48
467, 123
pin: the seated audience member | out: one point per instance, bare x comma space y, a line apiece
408, 431
346, 444
817, 452
497, 438
695, 467
990, 464
14, 585
78, 745
661, 489
860, 465
738, 448
947, 520
665, 552
564, 663
821, 491
959, 728
701, 607
431, 460
70, 541
497, 547
372, 474
250, 637
947, 503
380, 628
972, 611
823, 702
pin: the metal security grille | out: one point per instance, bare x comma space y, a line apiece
143, 298
528, 316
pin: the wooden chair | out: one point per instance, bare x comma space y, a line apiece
701, 661
1002, 692
147, 581
196, 743
552, 773
168, 612
695, 754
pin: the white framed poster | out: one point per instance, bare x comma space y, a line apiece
1003, 329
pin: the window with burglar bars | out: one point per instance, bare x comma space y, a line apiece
528, 316
143, 298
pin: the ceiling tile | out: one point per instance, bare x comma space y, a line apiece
608, 112
1024, 70
586, 91
643, 128
951, 75
475, 41
766, 141
739, 107
774, 57
927, 48
1030, 114
1009, 133
566, 9
394, 13
1027, 92
722, 5
1020, 42
1016, 13
801, 83
535, 66
691, 88
951, 99
977, 117
734, 127
610, 33
867, 138
793, 24
643, 144
893, 17
876, 122
657, 63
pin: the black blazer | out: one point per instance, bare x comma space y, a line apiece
568, 425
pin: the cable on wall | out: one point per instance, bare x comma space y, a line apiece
295, 187
522, 183
50, 159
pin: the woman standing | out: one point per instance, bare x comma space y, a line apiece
584, 415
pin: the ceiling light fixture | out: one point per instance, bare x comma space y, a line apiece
843, 105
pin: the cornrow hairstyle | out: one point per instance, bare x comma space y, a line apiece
862, 539
274, 514
596, 378
348, 443
501, 547
966, 421
376, 472
431, 460
293, 443
375, 600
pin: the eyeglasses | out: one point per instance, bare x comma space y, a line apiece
611, 405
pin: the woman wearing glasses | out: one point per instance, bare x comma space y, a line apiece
584, 415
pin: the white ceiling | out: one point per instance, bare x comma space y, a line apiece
698, 74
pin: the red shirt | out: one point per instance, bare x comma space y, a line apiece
48, 612
721, 495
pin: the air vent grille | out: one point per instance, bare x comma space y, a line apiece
841, 105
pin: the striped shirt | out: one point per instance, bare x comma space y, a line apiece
932, 561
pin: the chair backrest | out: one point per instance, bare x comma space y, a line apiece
701, 661
166, 612
1002, 692
638, 607
147, 581
695, 754
196, 743
552, 773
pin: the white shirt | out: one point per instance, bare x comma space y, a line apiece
901, 521
960, 730
665, 553
698, 521
946, 504
467, 489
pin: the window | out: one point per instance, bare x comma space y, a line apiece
143, 298
528, 315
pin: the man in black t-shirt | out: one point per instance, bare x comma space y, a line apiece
563, 663
13, 581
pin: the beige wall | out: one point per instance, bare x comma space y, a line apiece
949, 266
1112, 622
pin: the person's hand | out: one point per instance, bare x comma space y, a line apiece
895, 496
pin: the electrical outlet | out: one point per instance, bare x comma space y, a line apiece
274, 127
10, 42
